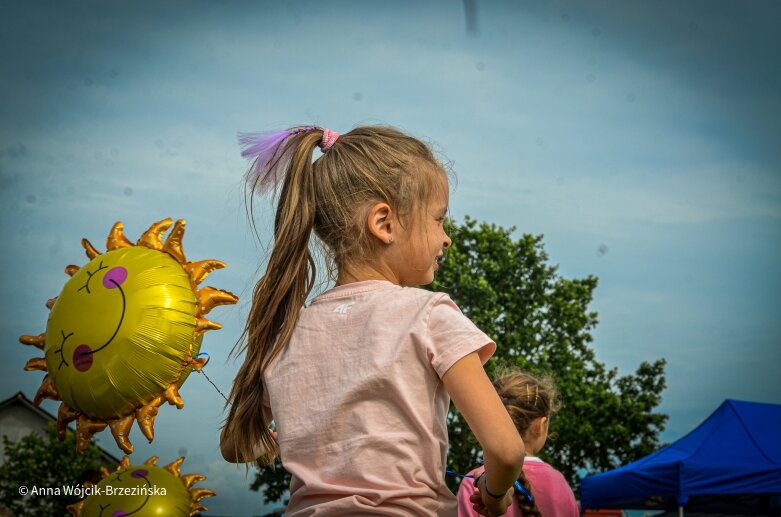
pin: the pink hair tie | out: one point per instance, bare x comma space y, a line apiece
329, 137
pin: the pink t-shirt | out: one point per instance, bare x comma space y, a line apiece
552, 494
358, 401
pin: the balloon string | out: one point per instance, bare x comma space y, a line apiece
215, 386
207, 377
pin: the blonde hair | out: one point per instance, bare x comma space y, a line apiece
526, 399
330, 198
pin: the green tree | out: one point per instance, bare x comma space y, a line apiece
273, 481
541, 323
44, 461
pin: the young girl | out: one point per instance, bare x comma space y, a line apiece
358, 383
531, 403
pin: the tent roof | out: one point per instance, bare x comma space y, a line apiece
736, 450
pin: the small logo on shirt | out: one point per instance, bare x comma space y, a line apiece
343, 308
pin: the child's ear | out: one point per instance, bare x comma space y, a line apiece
381, 223
539, 425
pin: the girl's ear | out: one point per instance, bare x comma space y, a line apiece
381, 222
539, 426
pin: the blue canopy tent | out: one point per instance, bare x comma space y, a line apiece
734, 455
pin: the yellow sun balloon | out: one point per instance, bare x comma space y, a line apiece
124, 333
143, 491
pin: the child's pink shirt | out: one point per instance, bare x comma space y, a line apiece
359, 404
551, 492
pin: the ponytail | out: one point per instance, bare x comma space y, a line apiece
528, 507
277, 298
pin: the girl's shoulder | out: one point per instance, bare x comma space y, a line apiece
535, 467
381, 292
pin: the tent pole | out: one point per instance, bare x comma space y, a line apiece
680, 510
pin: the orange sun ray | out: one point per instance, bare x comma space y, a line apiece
90, 249
173, 244
46, 391
65, 415
85, 428
191, 479
36, 363
209, 297
145, 416
175, 466
116, 238
36, 341
203, 325
200, 493
198, 271
75, 508
120, 428
153, 237
172, 396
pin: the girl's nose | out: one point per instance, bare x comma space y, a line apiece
448, 241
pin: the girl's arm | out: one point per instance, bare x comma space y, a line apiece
503, 449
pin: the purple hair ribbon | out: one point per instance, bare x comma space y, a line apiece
270, 156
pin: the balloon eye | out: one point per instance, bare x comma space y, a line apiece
140, 473
91, 273
115, 277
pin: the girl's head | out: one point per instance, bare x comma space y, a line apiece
531, 402
367, 197
376, 199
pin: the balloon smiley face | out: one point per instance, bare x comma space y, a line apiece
144, 490
83, 355
123, 334
126, 308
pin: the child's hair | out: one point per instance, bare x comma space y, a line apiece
332, 198
526, 399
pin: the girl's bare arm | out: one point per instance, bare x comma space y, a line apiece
476, 399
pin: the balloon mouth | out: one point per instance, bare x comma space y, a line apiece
82, 358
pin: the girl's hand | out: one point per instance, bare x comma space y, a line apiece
487, 505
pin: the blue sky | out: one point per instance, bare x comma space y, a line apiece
640, 138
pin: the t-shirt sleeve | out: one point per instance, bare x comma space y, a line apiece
453, 336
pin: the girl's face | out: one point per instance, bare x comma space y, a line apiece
424, 240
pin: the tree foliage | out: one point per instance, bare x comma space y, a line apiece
45, 462
541, 323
